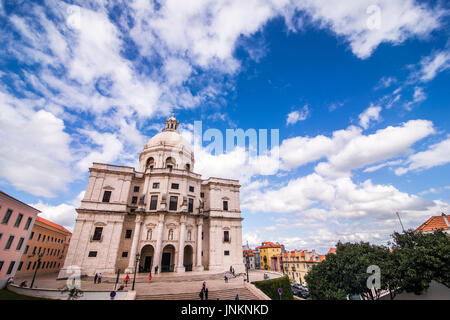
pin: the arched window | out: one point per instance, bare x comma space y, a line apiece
150, 163
189, 235
170, 234
170, 163
187, 167
149, 234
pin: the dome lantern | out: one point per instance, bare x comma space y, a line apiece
171, 124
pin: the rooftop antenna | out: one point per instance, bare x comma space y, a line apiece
398, 215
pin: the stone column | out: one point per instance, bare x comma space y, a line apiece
199, 265
159, 236
134, 245
180, 266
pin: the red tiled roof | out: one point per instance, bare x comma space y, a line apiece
266, 245
321, 257
332, 250
249, 252
434, 223
52, 224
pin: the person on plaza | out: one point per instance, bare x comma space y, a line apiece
95, 278
150, 277
100, 276
206, 293
10, 280
226, 278
201, 294
112, 294
127, 278
156, 269
121, 288
204, 285
237, 297
23, 284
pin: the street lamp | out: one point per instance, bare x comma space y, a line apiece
247, 263
135, 267
35, 272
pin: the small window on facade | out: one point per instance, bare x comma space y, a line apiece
134, 200
175, 186
26, 249
153, 202
149, 234
106, 196
32, 235
18, 220
191, 189
191, 205
92, 254
125, 254
97, 234
156, 185
34, 250
226, 236
20, 243
136, 189
226, 252
173, 203
128, 233
39, 237
202, 235
1, 265
225, 206
29, 265
9, 242
170, 237
7, 216
189, 235
43, 239
11, 266
202, 194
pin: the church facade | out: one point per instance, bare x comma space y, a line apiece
162, 218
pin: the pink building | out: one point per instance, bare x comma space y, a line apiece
16, 221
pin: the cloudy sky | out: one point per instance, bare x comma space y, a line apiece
357, 90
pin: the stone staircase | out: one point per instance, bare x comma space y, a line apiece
226, 294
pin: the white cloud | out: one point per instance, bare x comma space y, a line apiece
35, 149
63, 214
298, 115
437, 154
431, 65
382, 145
371, 113
366, 26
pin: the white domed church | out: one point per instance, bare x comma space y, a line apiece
165, 215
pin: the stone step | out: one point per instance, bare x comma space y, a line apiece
227, 294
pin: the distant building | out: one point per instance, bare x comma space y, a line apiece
16, 222
268, 251
435, 223
296, 264
49, 240
251, 258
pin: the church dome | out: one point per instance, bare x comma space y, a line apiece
169, 139
167, 148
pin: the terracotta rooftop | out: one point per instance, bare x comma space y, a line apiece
266, 245
52, 224
434, 223
332, 250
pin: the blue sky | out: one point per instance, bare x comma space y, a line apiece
357, 89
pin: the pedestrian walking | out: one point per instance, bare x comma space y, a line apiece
127, 278
112, 294
206, 293
150, 277
237, 297
201, 294
95, 278
204, 285
100, 276
226, 278
156, 269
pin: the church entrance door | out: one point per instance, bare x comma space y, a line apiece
165, 263
147, 264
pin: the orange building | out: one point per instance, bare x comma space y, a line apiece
48, 240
